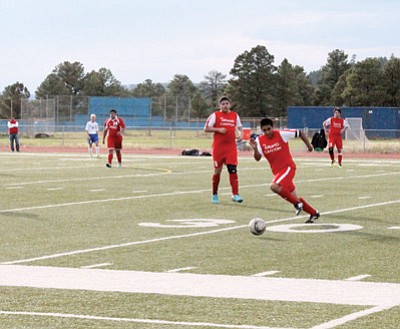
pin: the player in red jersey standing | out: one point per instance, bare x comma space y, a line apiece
274, 146
114, 127
337, 126
224, 124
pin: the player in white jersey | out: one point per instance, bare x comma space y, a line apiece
92, 132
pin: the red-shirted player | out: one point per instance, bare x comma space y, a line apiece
274, 146
114, 127
337, 126
224, 124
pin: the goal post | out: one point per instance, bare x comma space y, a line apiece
356, 132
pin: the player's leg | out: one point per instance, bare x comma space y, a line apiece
231, 165
17, 143
282, 184
111, 147
216, 177
118, 147
339, 147
331, 145
96, 143
12, 143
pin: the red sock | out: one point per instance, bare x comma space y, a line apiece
307, 208
234, 180
332, 155
119, 157
285, 194
340, 159
215, 183
110, 157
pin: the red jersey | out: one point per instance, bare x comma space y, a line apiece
228, 120
12, 127
335, 125
276, 149
114, 126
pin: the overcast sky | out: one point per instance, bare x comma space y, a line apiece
156, 39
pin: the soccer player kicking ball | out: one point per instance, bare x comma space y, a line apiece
224, 124
337, 126
113, 129
274, 146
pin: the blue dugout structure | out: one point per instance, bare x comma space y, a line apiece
378, 122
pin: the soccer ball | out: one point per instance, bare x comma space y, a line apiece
257, 226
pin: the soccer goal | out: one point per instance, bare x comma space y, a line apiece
356, 132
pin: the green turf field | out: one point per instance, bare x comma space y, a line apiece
142, 246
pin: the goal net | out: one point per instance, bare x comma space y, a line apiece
356, 132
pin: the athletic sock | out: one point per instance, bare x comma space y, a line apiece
110, 158
119, 157
307, 208
285, 194
234, 180
340, 159
215, 183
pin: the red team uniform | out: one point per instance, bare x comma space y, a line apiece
224, 145
335, 136
114, 140
276, 151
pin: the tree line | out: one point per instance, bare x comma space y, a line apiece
257, 86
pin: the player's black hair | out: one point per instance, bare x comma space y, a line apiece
224, 98
266, 122
337, 109
113, 110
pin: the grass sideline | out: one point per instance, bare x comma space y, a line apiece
57, 204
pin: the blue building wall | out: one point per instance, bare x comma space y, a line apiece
379, 122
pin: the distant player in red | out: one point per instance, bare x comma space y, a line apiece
274, 146
337, 126
225, 124
114, 127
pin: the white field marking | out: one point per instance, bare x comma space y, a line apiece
364, 197
14, 187
266, 273
358, 277
351, 317
394, 228
317, 196
45, 168
297, 228
181, 236
338, 292
55, 188
96, 265
176, 270
98, 190
148, 321
139, 191
160, 171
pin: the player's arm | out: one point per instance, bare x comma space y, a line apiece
345, 126
325, 124
305, 140
209, 126
256, 153
105, 134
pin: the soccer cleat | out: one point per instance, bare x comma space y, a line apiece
313, 218
332, 163
340, 165
119, 164
214, 198
108, 165
237, 198
299, 208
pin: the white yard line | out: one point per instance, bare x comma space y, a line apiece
148, 321
266, 273
203, 285
176, 270
358, 277
96, 265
